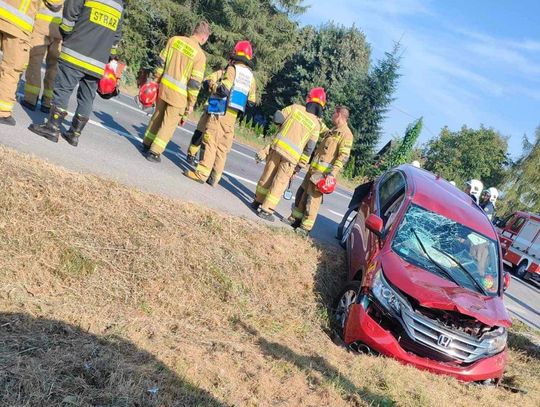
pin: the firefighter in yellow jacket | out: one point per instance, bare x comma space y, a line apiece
44, 43
210, 83
180, 77
16, 25
330, 156
234, 92
289, 151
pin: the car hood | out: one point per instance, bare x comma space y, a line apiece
433, 291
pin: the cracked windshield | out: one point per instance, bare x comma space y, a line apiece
448, 249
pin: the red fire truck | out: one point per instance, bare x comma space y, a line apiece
520, 243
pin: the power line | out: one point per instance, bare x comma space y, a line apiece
414, 117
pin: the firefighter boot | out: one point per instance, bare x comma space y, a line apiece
212, 180
8, 121
152, 157
196, 141
193, 176
255, 205
191, 159
266, 216
28, 105
44, 108
51, 129
291, 221
74, 132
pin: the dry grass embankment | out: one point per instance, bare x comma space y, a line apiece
110, 296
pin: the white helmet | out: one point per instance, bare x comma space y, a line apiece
416, 164
493, 194
453, 183
476, 187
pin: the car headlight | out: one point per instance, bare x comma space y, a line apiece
496, 341
386, 295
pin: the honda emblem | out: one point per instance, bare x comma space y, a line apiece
444, 341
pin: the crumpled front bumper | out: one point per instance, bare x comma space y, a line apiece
360, 327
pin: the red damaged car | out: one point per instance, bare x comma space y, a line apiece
425, 281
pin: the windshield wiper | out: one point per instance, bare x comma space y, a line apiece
445, 272
467, 272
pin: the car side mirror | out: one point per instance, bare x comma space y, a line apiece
374, 224
506, 280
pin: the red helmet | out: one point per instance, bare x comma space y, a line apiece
148, 94
243, 49
107, 86
317, 95
327, 185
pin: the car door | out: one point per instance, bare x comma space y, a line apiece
384, 200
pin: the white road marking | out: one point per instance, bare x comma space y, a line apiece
128, 135
343, 195
131, 136
115, 100
243, 154
240, 178
336, 213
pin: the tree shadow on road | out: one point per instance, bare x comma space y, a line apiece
173, 152
238, 189
325, 230
317, 368
49, 362
107, 120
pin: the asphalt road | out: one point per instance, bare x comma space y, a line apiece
522, 300
110, 147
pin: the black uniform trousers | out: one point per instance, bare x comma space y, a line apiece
67, 79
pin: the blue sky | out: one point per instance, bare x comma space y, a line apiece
464, 62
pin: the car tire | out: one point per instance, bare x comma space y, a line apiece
340, 309
521, 271
345, 227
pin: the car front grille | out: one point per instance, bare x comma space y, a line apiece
458, 346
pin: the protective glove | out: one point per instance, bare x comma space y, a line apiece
258, 157
262, 154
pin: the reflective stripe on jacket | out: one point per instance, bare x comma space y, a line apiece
333, 151
92, 29
297, 135
182, 71
17, 16
47, 23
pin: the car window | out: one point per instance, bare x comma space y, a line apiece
449, 249
391, 191
517, 224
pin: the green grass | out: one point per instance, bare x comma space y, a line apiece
74, 264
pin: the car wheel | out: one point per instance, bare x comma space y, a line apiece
345, 228
344, 300
521, 271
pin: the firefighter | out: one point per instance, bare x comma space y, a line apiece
474, 188
290, 150
44, 43
210, 83
180, 76
16, 26
91, 31
234, 92
330, 156
489, 197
